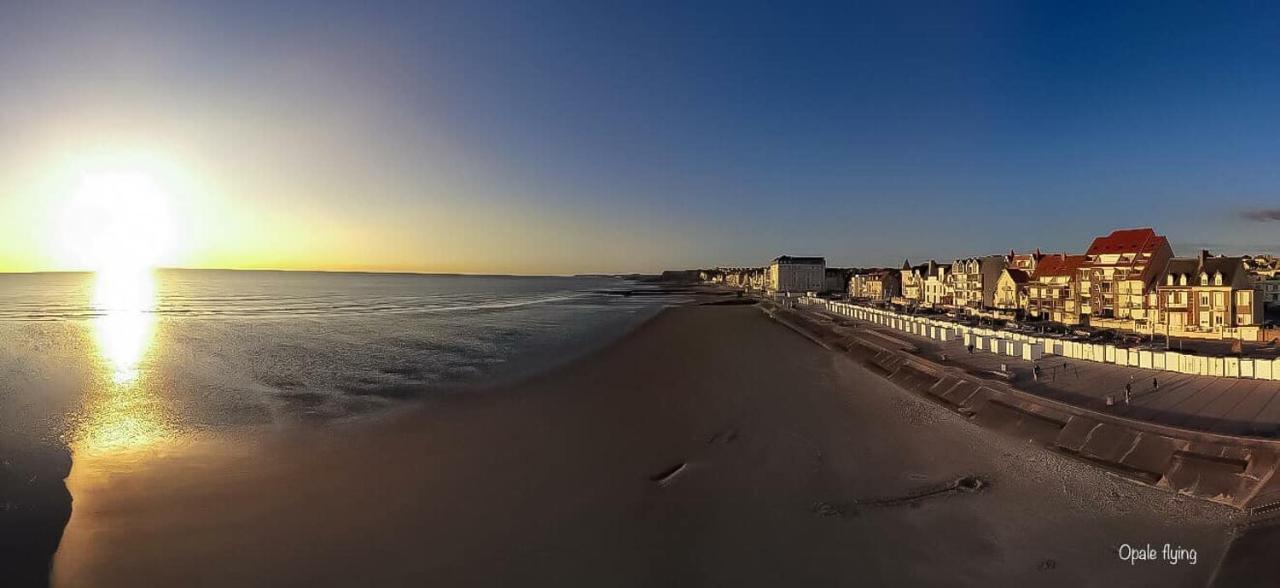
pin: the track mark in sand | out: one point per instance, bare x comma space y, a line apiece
726, 437
667, 476
965, 484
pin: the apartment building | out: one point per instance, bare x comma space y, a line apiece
1053, 292
791, 274
939, 287
1206, 296
1119, 271
876, 285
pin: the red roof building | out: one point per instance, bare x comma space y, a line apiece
1053, 292
1119, 271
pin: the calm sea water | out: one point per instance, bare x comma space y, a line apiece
121, 361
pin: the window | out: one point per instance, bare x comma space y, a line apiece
1204, 299
1219, 299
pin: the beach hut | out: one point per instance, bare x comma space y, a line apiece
1033, 351
1262, 369
1217, 366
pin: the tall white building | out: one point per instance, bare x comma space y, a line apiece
797, 274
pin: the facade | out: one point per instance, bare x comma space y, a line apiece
1262, 267
966, 278
1053, 291
876, 285
913, 282
836, 280
1011, 290
1120, 270
1206, 296
738, 277
791, 274
1269, 291
1025, 261
991, 266
939, 288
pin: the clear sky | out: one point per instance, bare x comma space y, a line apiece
526, 137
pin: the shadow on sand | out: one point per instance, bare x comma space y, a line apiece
34, 508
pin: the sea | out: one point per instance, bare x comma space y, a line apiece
115, 361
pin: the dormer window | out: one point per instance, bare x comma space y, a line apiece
1170, 279
1182, 280
1217, 279
1204, 279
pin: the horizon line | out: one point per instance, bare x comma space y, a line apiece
348, 271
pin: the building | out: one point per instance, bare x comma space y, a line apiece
1025, 261
1208, 297
879, 285
1052, 293
1269, 291
1119, 271
939, 287
789, 274
836, 280
1262, 267
1011, 290
913, 280
966, 278
992, 266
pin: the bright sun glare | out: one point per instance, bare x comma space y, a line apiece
117, 222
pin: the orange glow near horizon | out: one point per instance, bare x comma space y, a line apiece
128, 203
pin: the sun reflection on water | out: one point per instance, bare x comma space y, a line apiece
123, 411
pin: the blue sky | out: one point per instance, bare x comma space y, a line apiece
561, 137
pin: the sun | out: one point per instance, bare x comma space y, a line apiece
117, 222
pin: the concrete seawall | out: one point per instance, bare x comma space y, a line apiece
1237, 471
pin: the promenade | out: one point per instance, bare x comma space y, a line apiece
1224, 405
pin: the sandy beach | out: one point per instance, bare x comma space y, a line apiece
712, 446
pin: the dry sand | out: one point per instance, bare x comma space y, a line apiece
710, 447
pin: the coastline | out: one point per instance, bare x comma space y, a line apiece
707, 446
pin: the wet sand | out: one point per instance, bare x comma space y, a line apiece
710, 447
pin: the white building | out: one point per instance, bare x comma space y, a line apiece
796, 274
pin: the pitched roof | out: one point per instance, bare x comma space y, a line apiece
1227, 265
1059, 265
1019, 276
1178, 266
1193, 266
1144, 240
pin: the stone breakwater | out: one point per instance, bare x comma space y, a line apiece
1235, 471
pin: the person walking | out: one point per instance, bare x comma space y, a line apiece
1155, 384
1128, 389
